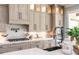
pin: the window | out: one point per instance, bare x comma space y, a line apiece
43, 8
38, 8
32, 7
48, 9
73, 20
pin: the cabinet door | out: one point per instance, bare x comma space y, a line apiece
47, 25
52, 43
46, 44
20, 13
42, 25
2, 50
3, 17
13, 13
24, 45
59, 20
27, 13
24, 10
32, 45
36, 21
31, 22
41, 44
4, 14
7, 48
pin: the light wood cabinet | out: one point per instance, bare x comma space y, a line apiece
43, 44
3, 17
13, 13
47, 24
18, 14
57, 16
31, 21
42, 24
37, 22
21, 14
34, 44
46, 44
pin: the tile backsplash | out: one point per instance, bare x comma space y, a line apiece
16, 31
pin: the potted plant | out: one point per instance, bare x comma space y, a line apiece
74, 33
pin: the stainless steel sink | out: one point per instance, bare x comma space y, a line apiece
17, 39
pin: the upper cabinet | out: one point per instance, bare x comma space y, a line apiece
47, 22
3, 17
48, 19
57, 14
13, 13
42, 23
36, 16
45, 18
18, 14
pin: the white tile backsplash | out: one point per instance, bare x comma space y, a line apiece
19, 34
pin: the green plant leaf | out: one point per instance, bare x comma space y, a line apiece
74, 32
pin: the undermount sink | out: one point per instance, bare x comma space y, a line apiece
17, 39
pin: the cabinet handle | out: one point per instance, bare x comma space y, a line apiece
20, 15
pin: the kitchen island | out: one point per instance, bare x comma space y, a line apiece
41, 43
37, 51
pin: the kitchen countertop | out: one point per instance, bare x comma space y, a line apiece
37, 39
36, 51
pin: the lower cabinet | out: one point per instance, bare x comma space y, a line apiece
2, 50
15, 48
46, 44
24, 45
34, 44
42, 44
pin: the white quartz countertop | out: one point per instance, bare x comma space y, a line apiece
36, 51
30, 40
